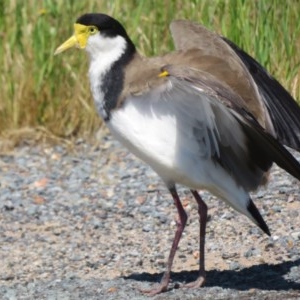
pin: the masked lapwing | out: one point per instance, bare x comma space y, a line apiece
206, 116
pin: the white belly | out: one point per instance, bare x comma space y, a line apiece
151, 138
154, 137
174, 154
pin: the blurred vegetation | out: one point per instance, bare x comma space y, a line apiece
39, 90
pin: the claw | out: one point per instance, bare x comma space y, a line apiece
157, 289
199, 282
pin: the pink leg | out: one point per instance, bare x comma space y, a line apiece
163, 285
202, 211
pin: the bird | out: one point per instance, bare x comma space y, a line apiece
206, 116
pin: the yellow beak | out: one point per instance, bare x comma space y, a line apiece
70, 43
79, 39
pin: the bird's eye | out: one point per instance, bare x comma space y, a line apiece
92, 30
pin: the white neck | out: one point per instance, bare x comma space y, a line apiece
103, 53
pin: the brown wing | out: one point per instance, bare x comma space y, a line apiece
189, 36
282, 109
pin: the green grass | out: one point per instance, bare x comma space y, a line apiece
39, 90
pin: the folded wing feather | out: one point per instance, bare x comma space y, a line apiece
223, 128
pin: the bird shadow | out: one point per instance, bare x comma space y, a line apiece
263, 277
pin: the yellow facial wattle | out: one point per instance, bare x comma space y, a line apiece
79, 38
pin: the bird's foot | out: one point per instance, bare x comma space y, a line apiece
196, 284
157, 289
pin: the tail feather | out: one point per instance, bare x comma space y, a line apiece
254, 212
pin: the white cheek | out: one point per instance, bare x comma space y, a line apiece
111, 48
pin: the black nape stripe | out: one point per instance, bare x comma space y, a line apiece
258, 218
113, 81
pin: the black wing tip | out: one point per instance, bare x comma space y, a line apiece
257, 217
282, 107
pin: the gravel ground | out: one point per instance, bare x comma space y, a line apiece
96, 223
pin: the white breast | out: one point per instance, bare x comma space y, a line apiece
148, 128
150, 136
